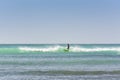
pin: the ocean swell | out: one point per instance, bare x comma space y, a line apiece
72, 49
22, 49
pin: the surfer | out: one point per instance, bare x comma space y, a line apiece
68, 47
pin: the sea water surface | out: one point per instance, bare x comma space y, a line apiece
53, 62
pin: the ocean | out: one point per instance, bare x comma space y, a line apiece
53, 62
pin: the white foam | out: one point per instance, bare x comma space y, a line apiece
72, 49
80, 49
48, 49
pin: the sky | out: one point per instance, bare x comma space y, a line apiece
59, 21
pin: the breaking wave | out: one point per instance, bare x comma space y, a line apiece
48, 49
58, 48
72, 49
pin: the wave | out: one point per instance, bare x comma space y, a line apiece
58, 48
48, 49
72, 49
65, 72
78, 49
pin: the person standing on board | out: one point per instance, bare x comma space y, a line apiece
68, 47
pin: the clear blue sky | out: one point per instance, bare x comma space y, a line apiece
59, 21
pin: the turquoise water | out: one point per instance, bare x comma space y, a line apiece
52, 62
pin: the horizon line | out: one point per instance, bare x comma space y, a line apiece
57, 43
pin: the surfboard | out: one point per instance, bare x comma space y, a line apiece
66, 50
